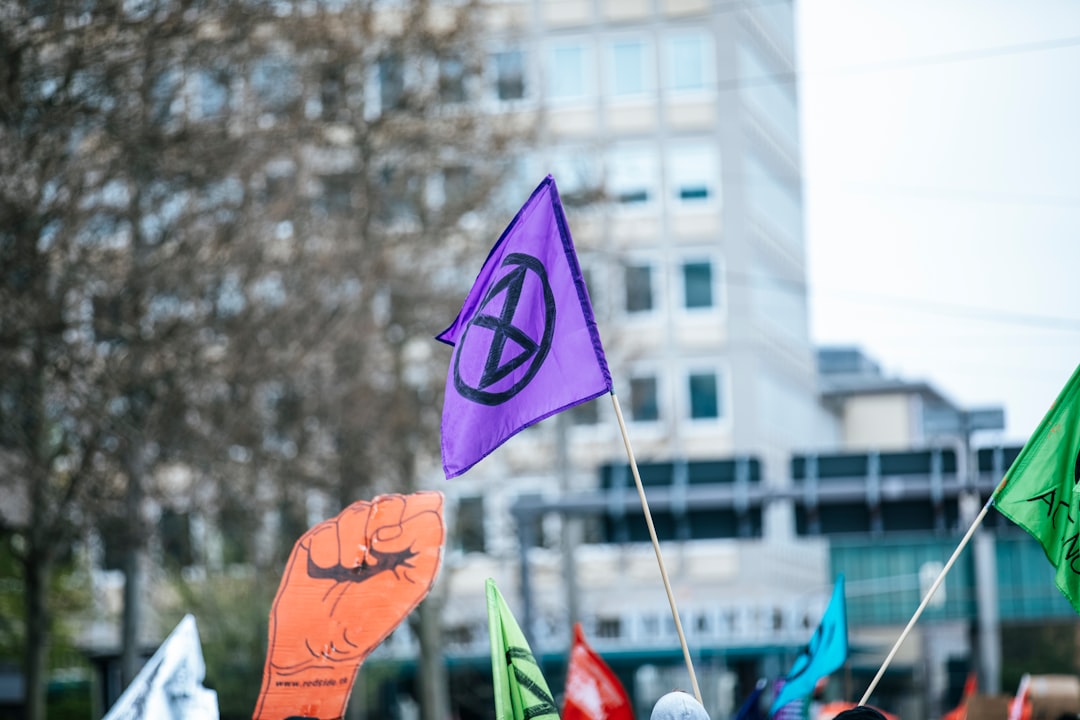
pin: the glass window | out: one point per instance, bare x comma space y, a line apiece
164, 95
586, 413
589, 280
578, 173
632, 174
213, 95
697, 284
391, 83
644, 400
569, 68
234, 523
175, 533
332, 92
470, 524
451, 80
692, 172
336, 198
689, 61
274, 82
639, 293
457, 184
509, 70
704, 396
629, 68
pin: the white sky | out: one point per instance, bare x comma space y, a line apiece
941, 143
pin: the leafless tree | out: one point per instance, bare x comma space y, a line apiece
228, 232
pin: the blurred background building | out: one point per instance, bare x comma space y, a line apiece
771, 466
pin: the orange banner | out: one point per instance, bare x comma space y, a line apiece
348, 583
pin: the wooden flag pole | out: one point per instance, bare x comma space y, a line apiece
656, 546
929, 594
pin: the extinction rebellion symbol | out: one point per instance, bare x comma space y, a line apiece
511, 345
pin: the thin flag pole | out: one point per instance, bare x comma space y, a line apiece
930, 593
656, 546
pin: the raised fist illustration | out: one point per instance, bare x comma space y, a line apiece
348, 583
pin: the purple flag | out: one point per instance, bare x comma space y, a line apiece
525, 342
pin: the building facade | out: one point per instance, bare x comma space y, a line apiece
672, 130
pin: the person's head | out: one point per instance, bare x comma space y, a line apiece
860, 712
678, 705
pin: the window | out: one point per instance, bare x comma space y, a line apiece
457, 185
336, 198
234, 524
400, 193
164, 96
451, 80
630, 68
213, 95
586, 413
292, 523
569, 67
639, 294
697, 284
470, 524
692, 172
391, 83
113, 532
175, 534
332, 93
644, 400
508, 67
704, 396
689, 61
610, 627
278, 185
274, 81
632, 173
578, 174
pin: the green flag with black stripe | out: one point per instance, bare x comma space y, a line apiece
1041, 490
521, 693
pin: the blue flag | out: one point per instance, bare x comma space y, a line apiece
824, 654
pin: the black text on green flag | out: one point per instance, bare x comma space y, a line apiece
521, 693
1039, 492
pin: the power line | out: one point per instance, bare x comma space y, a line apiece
952, 194
971, 312
957, 56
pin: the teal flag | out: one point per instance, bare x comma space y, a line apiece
824, 654
521, 693
1039, 489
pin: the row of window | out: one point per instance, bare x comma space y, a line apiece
631, 70
701, 398
697, 281
697, 284
685, 171
627, 67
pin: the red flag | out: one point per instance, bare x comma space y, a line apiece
959, 712
593, 692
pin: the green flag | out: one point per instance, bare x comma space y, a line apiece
1039, 492
521, 693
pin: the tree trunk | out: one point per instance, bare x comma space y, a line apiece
434, 683
130, 657
38, 574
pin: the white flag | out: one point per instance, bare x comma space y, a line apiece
170, 686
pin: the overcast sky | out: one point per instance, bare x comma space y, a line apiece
941, 143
